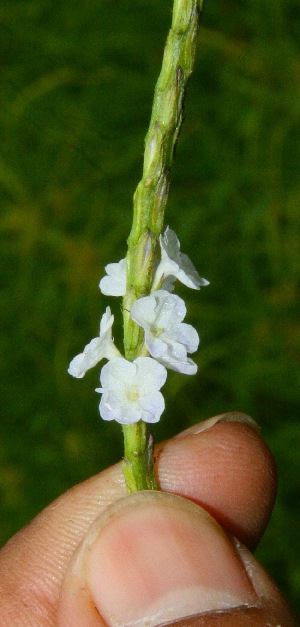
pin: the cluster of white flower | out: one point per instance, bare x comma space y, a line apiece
131, 390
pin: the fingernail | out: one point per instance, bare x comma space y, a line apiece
156, 557
234, 416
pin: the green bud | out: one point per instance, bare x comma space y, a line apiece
160, 198
143, 266
153, 153
190, 44
182, 14
169, 61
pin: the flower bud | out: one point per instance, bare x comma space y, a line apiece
182, 14
153, 153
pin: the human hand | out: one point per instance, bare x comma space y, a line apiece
94, 558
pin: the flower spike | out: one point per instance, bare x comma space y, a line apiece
152, 315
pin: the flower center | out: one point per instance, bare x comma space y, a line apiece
132, 393
156, 331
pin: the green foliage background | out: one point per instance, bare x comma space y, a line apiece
76, 89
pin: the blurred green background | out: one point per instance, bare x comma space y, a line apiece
77, 82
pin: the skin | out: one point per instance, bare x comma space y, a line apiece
181, 557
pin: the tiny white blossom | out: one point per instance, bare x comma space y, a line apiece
114, 283
130, 390
101, 347
167, 338
175, 264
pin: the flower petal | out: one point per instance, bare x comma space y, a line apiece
176, 264
150, 374
111, 408
117, 372
101, 347
114, 284
188, 336
91, 355
187, 366
153, 408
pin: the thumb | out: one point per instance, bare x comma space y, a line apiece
153, 558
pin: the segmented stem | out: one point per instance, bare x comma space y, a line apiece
149, 207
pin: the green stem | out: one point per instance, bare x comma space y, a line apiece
138, 460
149, 207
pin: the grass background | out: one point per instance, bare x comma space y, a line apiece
76, 89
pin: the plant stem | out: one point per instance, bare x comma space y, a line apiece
148, 210
138, 461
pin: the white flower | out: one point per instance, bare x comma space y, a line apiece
130, 390
176, 264
114, 284
101, 347
167, 338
